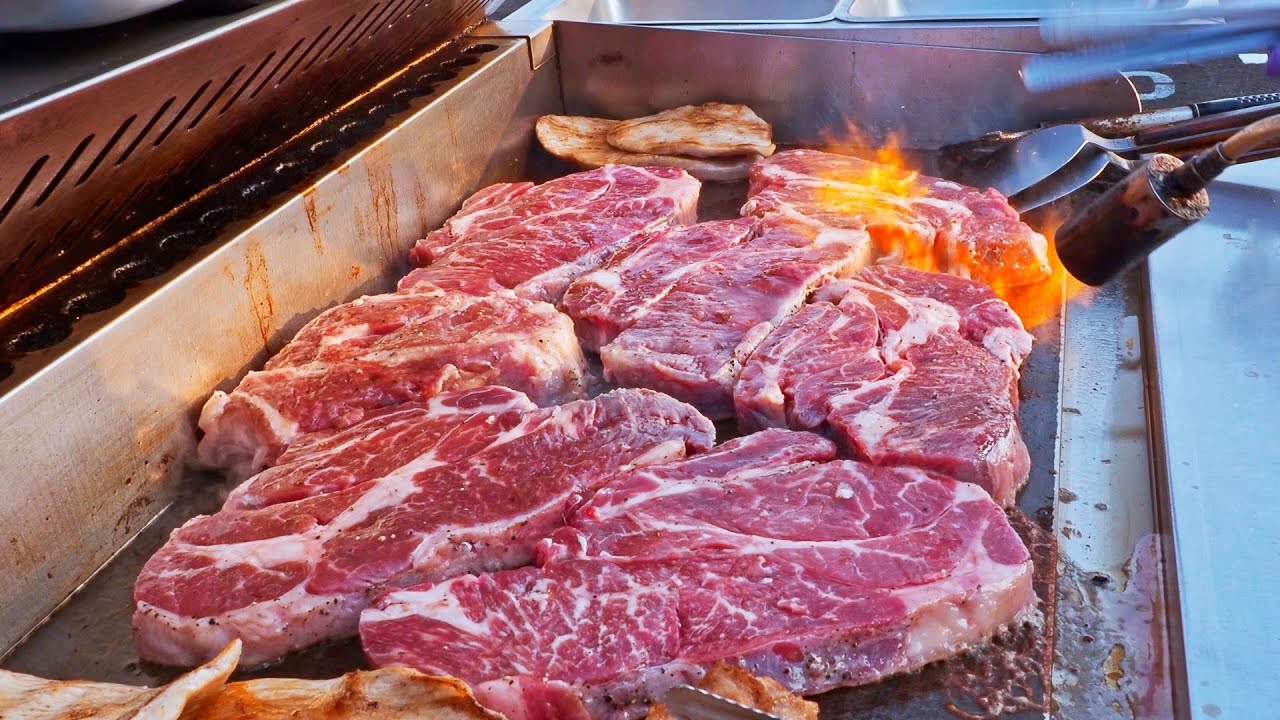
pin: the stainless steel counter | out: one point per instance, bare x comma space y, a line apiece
1214, 369
769, 12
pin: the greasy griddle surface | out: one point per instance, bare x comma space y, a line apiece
90, 637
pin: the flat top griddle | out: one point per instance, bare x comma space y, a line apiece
90, 636
251, 286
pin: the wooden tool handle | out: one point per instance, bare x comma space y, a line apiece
1263, 153
1222, 124
1255, 136
1267, 151
1193, 175
1185, 144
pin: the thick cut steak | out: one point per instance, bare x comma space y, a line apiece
900, 379
691, 343
812, 356
446, 429
609, 300
914, 219
984, 318
477, 498
535, 240
764, 552
388, 349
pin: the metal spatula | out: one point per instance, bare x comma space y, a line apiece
1088, 167
1027, 159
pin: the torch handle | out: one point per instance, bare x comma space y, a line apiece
1206, 165
1255, 136
1219, 126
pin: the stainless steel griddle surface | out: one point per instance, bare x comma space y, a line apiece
363, 250
90, 636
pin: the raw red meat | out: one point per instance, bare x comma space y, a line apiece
609, 300
290, 574
914, 219
387, 349
812, 356
691, 343
448, 428
900, 379
536, 240
816, 573
984, 318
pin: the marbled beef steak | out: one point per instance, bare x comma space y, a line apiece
691, 343
765, 551
915, 219
609, 300
536, 239
473, 497
383, 350
902, 367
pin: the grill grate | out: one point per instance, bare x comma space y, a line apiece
48, 320
80, 170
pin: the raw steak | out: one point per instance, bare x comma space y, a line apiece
446, 429
812, 356
899, 379
984, 318
287, 575
387, 349
607, 301
815, 573
914, 219
536, 240
691, 344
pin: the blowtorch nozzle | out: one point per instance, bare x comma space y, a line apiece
1130, 220
1152, 204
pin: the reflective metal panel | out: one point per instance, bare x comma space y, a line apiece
676, 12
895, 10
815, 90
94, 442
1215, 361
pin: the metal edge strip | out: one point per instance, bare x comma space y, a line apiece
1160, 479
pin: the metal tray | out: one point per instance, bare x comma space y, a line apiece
705, 12
861, 11
108, 419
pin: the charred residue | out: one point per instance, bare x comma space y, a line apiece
1009, 677
1112, 638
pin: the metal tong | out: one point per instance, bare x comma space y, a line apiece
1036, 167
1124, 40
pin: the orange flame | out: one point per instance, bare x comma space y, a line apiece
1042, 301
881, 197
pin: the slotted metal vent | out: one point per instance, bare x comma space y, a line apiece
29, 334
84, 167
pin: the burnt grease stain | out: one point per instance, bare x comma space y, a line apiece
1011, 676
257, 281
313, 221
1113, 638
